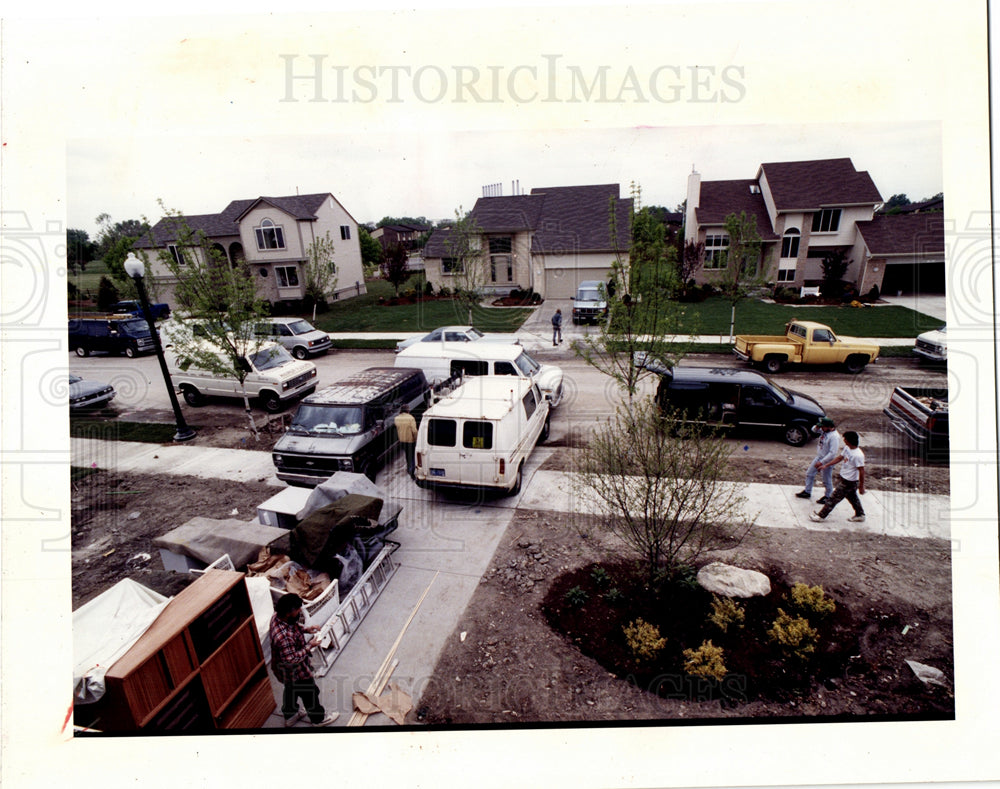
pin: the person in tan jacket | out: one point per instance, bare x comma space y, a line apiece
406, 430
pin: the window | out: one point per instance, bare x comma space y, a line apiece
786, 274
530, 403
288, 276
441, 432
826, 221
269, 236
176, 254
716, 249
451, 266
822, 335
790, 243
505, 368
345, 232
469, 367
501, 259
477, 435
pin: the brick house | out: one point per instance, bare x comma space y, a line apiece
548, 240
805, 210
272, 235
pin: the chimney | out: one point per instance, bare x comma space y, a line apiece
693, 197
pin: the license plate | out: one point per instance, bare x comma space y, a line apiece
437, 472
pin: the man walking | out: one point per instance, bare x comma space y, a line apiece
290, 663
829, 445
852, 480
557, 327
406, 430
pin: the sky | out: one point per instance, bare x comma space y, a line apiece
434, 173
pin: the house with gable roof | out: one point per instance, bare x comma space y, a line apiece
271, 235
548, 241
808, 209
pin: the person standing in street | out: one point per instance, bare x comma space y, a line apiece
852, 480
406, 431
829, 445
290, 663
557, 327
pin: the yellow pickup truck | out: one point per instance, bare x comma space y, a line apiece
804, 342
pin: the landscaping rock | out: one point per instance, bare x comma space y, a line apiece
728, 581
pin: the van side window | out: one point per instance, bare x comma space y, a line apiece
758, 395
477, 435
469, 367
530, 404
505, 368
441, 432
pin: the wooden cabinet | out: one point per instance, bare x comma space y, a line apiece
198, 668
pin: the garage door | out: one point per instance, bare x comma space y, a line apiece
913, 278
561, 283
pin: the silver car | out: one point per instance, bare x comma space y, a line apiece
458, 334
88, 394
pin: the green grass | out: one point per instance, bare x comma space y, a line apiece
149, 432
757, 317
90, 279
364, 313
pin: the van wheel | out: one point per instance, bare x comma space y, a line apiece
774, 364
368, 469
856, 363
300, 353
81, 351
516, 488
796, 435
130, 351
270, 402
192, 396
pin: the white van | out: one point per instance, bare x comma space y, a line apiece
442, 361
297, 335
481, 434
274, 378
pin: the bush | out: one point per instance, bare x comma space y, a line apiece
726, 612
576, 597
705, 661
644, 639
107, 294
794, 635
812, 600
72, 291
428, 288
600, 576
613, 596
444, 290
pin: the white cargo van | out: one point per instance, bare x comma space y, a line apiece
441, 361
480, 435
274, 378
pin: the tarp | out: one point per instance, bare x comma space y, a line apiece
341, 484
105, 629
206, 539
326, 532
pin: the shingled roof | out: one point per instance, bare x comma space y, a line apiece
719, 199
819, 183
904, 234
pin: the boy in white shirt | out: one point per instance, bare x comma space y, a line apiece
852, 480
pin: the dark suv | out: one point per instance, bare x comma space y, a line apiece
738, 399
112, 334
349, 425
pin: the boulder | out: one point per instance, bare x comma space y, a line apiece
728, 581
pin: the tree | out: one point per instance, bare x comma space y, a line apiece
690, 261
394, 266
215, 329
80, 250
319, 272
115, 241
660, 484
642, 312
835, 265
741, 273
371, 250
894, 203
467, 260
107, 294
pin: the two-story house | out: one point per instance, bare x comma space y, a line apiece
805, 210
548, 240
272, 236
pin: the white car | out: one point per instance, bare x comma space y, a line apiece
932, 345
300, 337
458, 334
88, 394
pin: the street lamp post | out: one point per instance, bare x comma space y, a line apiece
135, 268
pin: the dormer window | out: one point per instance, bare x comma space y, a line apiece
755, 189
269, 236
826, 221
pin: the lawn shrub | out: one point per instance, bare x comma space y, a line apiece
600, 576
705, 661
812, 600
726, 612
644, 639
793, 634
576, 597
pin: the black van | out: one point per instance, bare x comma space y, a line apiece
731, 398
112, 334
349, 425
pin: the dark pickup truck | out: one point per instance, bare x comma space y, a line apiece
921, 414
159, 311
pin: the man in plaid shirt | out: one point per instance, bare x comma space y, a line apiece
290, 664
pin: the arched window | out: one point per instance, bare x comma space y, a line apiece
269, 236
790, 243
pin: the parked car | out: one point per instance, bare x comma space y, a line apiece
481, 435
273, 378
349, 425
449, 360
728, 399
804, 342
88, 394
921, 414
932, 345
589, 304
135, 308
110, 334
458, 334
300, 337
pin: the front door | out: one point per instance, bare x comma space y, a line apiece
501, 261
